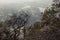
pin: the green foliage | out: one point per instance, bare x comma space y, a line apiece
48, 13
50, 25
37, 25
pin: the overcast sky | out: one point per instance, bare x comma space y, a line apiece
19, 1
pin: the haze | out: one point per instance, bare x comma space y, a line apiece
8, 7
19, 1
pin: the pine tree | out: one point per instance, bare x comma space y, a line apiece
50, 25
51, 16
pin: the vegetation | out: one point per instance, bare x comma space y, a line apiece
47, 29
10, 28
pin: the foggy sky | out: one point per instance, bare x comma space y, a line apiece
7, 11
19, 1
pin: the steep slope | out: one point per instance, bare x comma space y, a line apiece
34, 12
